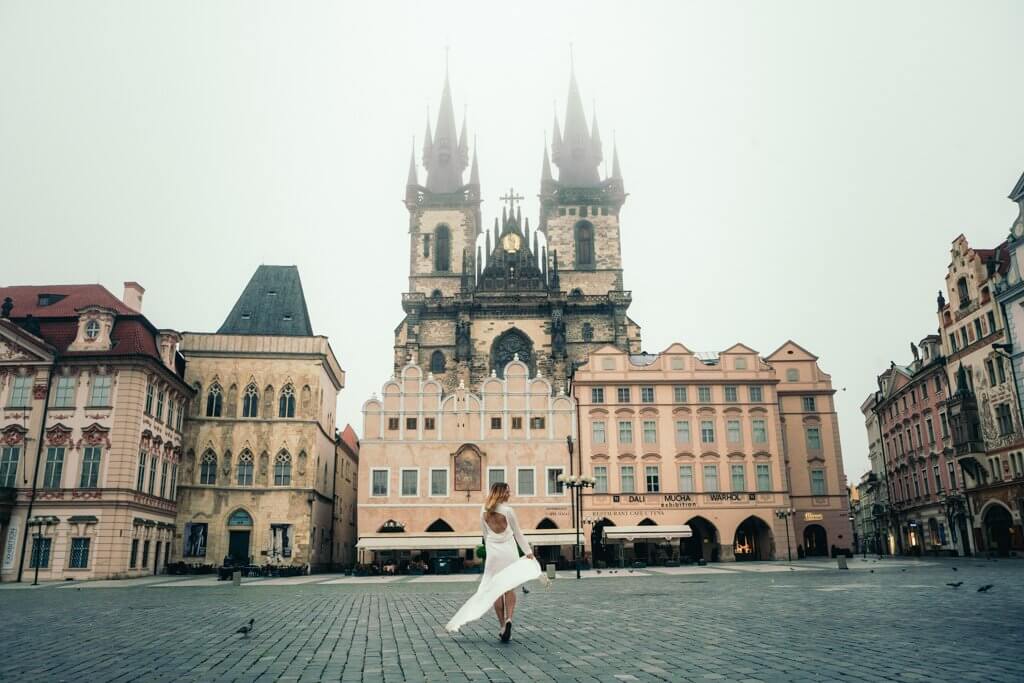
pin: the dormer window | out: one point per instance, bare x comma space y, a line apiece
962, 293
92, 330
287, 317
247, 316
271, 292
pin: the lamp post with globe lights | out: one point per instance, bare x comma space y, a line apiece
784, 515
576, 483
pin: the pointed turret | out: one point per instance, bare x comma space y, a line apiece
1017, 195
445, 156
545, 168
616, 171
474, 172
575, 152
595, 141
464, 141
428, 145
413, 179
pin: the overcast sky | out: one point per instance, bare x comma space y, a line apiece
795, 170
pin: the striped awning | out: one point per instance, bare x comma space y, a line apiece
643, 534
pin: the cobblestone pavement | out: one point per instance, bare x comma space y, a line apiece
892, 620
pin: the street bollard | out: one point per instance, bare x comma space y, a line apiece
236, 577
550, 570
841, 560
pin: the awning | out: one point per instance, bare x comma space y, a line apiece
647, 533
446, 541
558, 537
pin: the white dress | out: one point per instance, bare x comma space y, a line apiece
504, 570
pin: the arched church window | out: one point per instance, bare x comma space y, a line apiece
245, 468
214, 401
208, 468
436, 294
286, 404
283, 469
507, 347
437, 362
442, 249
251, 402
584, 244
962, 292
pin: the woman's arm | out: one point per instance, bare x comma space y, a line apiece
524, 545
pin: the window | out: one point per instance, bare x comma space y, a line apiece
944, 425
814, 438
739, 478
251, 402
760, 432
524, 481
90, 467
597, 432
707, 431
732, 431
817, 482
392, 424
991, 316
160, 398
952, 474
65, 393
679, 394
601, 479
495, 423
625, 431
792, 375
21, 391
917, 487
627, 483
283, 469
442, 249
710, 478
937, 473
623, 394
809, 404
995, 468
379, 482
170, 413
597, 395
756, 395
496, 475
181, 414
517, 423
555, 487
588, 332
439, 482
977, 328
964, 338
647, 394
686, 478
174, 480
92, 330
133, 558
704, 394
764, 476
952, 342
410, 482
924, 390
286, 404
79, 553
152, 474
163, 479
437, 362
584, 244
917, 431
410, 423
731, 394
100, 395
682, 431
931, 430
1004, 419
145, 554
214, 401
40, 556
991, 372
652, 478
9, 465
207, 468
142, 471
536, 423
650, 431
245, 467
54, 467
1000, 370
428, 423
938, 385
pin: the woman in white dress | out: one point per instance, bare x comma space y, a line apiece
504, 570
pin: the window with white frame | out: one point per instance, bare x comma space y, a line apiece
733, 432
759, 431
731, 395
163, 479
809, 404
704, 394
625, 431
710, 478
707, 431
597, 431
756, 394
142, 471
410, 482
623, 394
814, 438
739, 477
283, 469
21, 392
525, 484
679, 394
764, 476
64, 393
650, 431
100, 394
90, 467
647, 394
378, 482
495, 475
9, 456
627, 481
79, 553
152, 474
150, 393
554, 487
818, 482
686, 479
244, 474
600, 479
161, 397
652, 478
439, 482
597, 395
682, 431
54, 467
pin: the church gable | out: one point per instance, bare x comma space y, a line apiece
791, 351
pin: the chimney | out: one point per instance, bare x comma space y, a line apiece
132, 298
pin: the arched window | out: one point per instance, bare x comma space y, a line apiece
286, 404
214, 401
245, 468
208, 468
251, 402
283, 469
439, 526
962, 292
437, 362
442, 249
436, 294
584, 244
240, 518
507, 347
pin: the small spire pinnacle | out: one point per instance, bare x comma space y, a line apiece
427, 143
545, 167
474, 172
413, 178
616, 171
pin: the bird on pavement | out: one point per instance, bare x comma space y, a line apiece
246, 630
955, 569
872, 571
956, 585
903, 570
986, 588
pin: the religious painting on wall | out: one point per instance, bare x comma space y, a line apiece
468, 469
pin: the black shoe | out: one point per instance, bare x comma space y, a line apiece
506, 635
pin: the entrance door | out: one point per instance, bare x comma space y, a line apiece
238, 546
815, 541
997, 530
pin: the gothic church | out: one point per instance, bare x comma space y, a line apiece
479, 298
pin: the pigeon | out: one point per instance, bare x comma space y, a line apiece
955, 585
955, 569
872, 571
792, 569
246, 630
598, 571
903, 570
986, 588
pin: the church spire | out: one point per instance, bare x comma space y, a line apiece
545, 167
446, 155
413, 178
616, 171
577, 151
474, 172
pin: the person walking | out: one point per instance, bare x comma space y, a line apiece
504, 570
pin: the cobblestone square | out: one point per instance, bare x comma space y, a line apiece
890, 620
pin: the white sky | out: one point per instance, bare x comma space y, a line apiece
796, 170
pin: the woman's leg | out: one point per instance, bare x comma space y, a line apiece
499, 610
510, 605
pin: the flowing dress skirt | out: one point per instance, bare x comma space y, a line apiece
504, 570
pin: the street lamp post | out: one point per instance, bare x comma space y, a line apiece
785, 514
576, 484
37, 524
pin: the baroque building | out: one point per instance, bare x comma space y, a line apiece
479, 297
263, 462
93, 399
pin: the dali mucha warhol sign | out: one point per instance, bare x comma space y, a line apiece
680, 500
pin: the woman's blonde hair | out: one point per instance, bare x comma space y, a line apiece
499, 494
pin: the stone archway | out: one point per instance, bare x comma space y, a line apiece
601, 552
997, 524
815, 541
703, 544
753, 540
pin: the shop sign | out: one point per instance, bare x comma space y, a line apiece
9, 547
663, 500
813, 516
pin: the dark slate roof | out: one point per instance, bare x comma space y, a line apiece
272, 304
1017, 193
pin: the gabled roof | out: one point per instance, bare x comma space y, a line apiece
60, 301
349, 438
793, 350
1017, 193
272, 304
738, 348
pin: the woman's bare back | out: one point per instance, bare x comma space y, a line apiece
496, 522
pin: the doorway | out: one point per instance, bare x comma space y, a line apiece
815, 541
238, 546
997, 523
